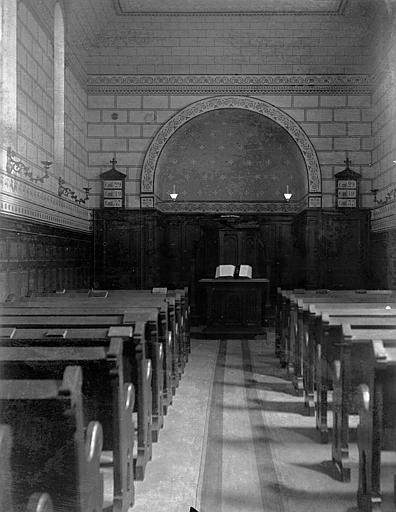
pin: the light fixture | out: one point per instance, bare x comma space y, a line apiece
374, 191
173, 194
287, 194
70, 193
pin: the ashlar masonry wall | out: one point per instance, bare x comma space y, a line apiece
337, 125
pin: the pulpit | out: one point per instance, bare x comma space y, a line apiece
235, 305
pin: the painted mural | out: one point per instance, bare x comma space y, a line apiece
231, 155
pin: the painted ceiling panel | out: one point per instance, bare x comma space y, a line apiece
224, 6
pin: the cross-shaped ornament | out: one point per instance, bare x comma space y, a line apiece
114, 161
347, 162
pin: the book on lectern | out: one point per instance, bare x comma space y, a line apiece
225, 271
233, 271
245, 271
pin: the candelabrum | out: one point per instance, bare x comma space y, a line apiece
389, 196
70, 193
16, 167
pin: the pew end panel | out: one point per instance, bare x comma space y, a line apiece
103, 393
64, 463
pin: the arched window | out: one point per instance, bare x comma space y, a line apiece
59, 89
8, 72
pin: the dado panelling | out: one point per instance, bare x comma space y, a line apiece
35, 257
315, 249
383, 259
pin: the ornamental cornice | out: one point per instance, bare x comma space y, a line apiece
229, 207
384, 217
26, 200
238, 102
209, 84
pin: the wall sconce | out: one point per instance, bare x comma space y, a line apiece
68, 192
389, 197
374, 192
17, 167
173, 194
287, 194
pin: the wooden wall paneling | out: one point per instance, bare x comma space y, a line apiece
33, 258
345, 245
383, 259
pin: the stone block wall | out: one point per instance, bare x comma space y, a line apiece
338, 125
30, 37
231, 44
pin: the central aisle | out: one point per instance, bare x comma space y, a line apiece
236, 439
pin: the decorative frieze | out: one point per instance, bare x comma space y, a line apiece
384, 217
229, 84
16, 167
237, 207
28, 201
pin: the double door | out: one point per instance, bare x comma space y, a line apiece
238, 247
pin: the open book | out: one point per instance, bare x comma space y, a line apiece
225, 271
232, 271
245, 271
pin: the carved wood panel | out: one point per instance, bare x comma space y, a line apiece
36, 257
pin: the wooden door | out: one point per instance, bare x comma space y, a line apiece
238, 247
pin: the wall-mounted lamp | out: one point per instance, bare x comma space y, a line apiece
173, 194
18, 168
389, 197
287, 194
374, 192
68, 192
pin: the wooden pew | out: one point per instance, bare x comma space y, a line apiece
377, 420
295, 302
115, 301
38, 501
309, 336
320, 336
51, 454
148, 319
286, 305
108, 396
177, 301
351, 368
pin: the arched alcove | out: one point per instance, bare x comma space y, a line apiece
231, 155
226, 149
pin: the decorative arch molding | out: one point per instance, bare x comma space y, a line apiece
223, 102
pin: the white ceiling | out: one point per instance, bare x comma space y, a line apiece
130, 7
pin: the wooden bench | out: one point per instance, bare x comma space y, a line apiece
351, 368
147, 318
309, 336
177, 302
108, 395
51, 452
377, 420
287, 303
319, 352
293, 302
115, 301
38, 502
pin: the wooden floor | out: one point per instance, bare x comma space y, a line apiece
237, 439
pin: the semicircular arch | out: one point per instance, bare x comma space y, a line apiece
227, 102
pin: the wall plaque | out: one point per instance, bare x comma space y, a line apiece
113, 188
347, 187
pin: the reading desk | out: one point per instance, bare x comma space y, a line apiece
235, 305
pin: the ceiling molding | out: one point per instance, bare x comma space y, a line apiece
228, 84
